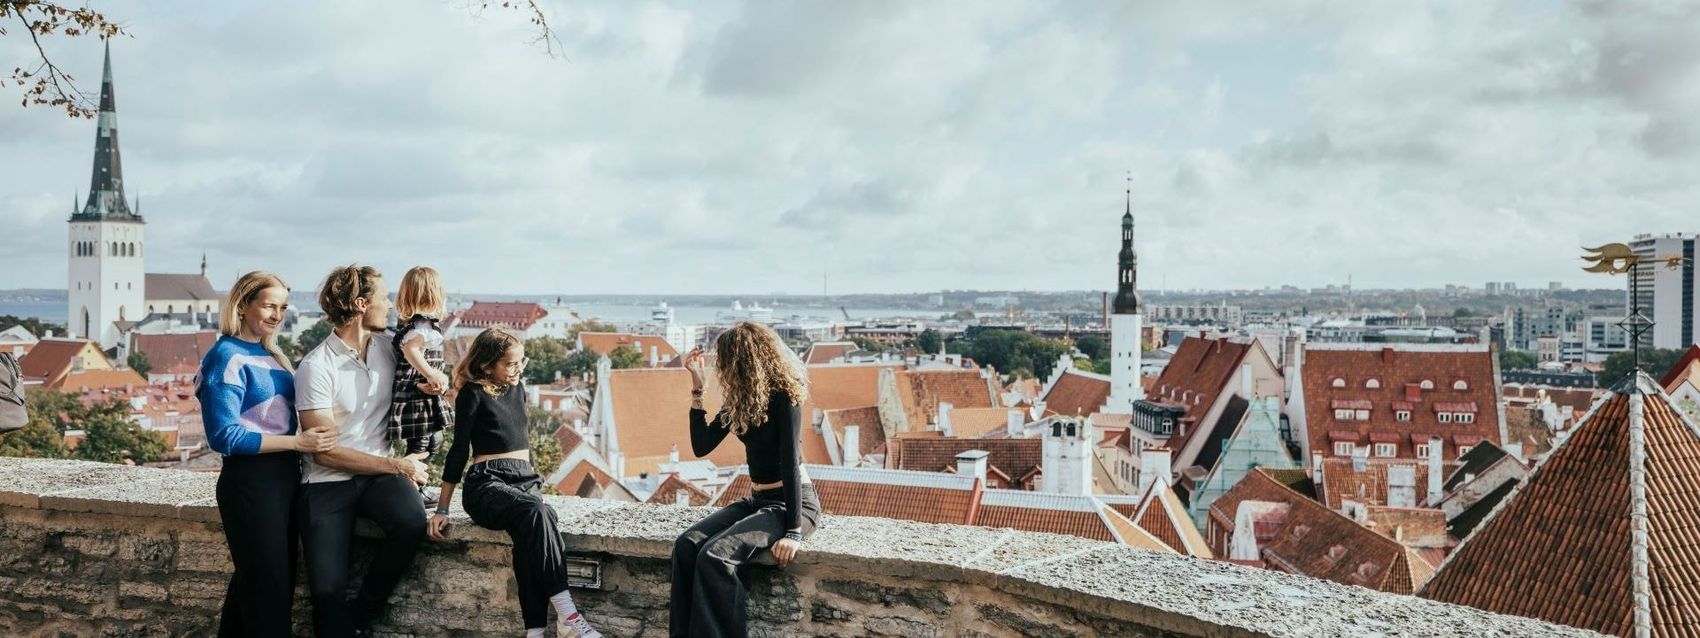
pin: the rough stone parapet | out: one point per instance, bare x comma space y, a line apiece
93, 549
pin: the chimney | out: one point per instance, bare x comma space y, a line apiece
654, 356
1434, 469
1154, 465
673, 455
1387, 355
972, 463
852, 445
1013, 427
944, 418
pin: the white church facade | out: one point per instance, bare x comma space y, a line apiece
109, 290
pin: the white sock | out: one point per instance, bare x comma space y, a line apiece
563, 603
534, 633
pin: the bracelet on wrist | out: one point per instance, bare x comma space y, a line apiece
796, 536
443, 511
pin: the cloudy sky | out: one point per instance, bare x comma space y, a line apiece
874, 146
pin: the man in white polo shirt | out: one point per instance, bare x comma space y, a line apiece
345, 384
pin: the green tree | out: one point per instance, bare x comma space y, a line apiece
1516, 360
1093, 346
1654, 361
288, 347
312, 337
1462, 312
930, 341
625, 357
548, 357
588, 325
579, 363
138, 361
112, 438
1016, 353
35, 326
870, 345
38, 439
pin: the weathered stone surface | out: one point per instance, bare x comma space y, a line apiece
152, 562
158, 497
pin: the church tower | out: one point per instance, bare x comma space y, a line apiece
1126, 324
105, 248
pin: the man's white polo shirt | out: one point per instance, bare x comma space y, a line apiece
356, 392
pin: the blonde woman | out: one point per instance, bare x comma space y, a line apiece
247, 395
765, 387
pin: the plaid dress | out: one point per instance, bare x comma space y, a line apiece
413, 413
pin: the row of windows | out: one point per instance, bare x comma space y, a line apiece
89, 285
1375, 384
115, 249
1388, 450
1404, 416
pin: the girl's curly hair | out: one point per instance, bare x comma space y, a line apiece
753, 362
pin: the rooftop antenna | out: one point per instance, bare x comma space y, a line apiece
1617, 259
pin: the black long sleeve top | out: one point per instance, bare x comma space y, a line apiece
771, 449
485, 424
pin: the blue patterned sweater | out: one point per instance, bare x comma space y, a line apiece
244, 394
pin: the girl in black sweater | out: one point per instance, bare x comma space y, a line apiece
765, 387
502, 490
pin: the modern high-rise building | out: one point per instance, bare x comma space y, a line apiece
1668, 296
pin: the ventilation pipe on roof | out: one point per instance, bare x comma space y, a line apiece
852, 445
1435, 486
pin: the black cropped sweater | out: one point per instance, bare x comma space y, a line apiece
487, 424
769, 448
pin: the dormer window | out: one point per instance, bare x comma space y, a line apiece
1403, 416
1427, 385
1336, 553
1466, 417
1372, 384
1362, 415
1460, 385
1339, 383
1445, 417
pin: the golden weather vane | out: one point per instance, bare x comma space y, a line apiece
1617, 259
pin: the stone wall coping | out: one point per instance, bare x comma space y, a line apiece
1164, 591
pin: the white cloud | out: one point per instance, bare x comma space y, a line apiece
890, 146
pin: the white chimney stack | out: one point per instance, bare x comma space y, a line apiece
1154, 465
1435, 486
673, 455
944, 418
852, 445
654, 356
972, 463
1013, 426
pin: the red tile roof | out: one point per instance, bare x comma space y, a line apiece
826, 351
1399, 370
1563, 545
1013, 457
1369, 487
1076, 393
607, 342
50, 360
667, 493
584, 480
569, 439
1315, 541
970, 423
518, 315
174, 354
1161, 513
1195, 377
870, 437
101, 379
960, 388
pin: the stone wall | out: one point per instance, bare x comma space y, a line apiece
101, 550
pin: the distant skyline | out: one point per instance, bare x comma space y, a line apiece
747, 149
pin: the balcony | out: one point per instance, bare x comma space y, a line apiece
94, 549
